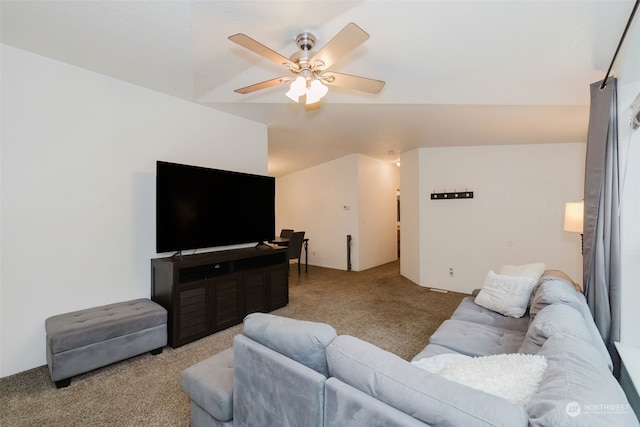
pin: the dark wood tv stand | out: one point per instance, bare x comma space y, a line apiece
205, 293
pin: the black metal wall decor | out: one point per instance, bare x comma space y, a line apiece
452, 195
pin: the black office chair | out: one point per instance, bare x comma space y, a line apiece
294, 249
285, 232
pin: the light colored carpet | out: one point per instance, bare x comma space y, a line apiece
377, 305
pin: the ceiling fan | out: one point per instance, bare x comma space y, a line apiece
310, 70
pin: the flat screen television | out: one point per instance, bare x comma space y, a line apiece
199, 207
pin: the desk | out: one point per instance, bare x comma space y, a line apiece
284, 241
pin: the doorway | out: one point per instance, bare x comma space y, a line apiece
398, 219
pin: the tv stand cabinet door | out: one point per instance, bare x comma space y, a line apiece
255, 291
278, 277
191, 312
226, 305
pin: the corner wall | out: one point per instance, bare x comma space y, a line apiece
354, 195
627, 69
628, 72
410, 249
313, 200
78, 189
378, 183
515, 217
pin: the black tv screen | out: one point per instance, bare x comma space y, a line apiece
200, 207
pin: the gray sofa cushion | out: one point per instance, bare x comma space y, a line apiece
553, 320
559, 275
200, 417
596, 338
303, 341
553, 291
426, 396
577, 388
209, 383
347, 407
474, 339
433, 350
471, 312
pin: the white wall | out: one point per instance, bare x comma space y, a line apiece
629, 146
515, 217
410, 216
314, 200
378, 183
78, 189
628, 71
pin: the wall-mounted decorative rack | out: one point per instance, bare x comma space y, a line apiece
452, 195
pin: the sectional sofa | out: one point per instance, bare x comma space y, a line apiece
546, 367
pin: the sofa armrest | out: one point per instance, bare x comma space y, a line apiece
271, 389
209, 384
303, 341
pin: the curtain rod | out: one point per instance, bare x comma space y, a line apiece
624, 34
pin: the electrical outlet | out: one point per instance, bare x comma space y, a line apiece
450, 272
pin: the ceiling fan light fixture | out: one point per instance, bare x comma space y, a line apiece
297, 89
310, 67
316, 91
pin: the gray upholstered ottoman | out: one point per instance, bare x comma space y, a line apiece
84, 340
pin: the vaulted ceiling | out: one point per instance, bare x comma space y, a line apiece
457, 72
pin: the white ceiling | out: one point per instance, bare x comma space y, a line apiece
457, 72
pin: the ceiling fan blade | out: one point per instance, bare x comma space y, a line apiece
263, 85
353, 82
350, 37
257, 47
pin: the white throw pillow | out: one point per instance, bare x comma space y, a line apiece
514, 377
507, 295
434, 364
534, 270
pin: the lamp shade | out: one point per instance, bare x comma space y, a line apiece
312, 88
316, 91
573, 217
297, 89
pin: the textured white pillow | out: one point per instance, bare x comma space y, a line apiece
534, 270
507, 295
514, 377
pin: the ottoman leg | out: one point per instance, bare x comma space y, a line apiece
63, 383
156, 351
